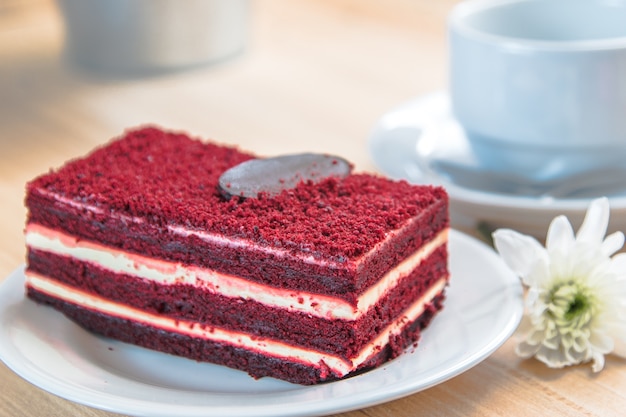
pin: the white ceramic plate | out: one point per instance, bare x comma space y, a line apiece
425, 128
483, 308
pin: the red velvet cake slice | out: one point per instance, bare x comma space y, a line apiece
136, 242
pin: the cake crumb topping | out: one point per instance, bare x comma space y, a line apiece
172, 179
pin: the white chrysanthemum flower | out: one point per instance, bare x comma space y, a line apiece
575, 307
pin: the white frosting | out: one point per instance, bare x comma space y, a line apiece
167, 273
269, 347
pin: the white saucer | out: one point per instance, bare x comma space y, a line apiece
424, 128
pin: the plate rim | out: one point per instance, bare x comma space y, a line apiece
395, 390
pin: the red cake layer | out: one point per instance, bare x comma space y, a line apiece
185, 302
132, 193
345, 279
256, 365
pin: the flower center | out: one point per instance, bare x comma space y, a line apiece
570, 304
577, 306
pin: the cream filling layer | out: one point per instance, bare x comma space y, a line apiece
168, 273
268, 347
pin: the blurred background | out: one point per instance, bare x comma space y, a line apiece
313, 75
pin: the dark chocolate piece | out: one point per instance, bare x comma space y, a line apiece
273, 175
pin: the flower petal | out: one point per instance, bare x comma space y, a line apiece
598, 362
619, 262
526, 350
612, 243
596, 222
619, 347
601, 342
560, 234
553, 358
519, 252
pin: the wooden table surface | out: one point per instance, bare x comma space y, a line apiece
316, 76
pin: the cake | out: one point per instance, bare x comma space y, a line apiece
317, 282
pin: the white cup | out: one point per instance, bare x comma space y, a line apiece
540, 85
135, 37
